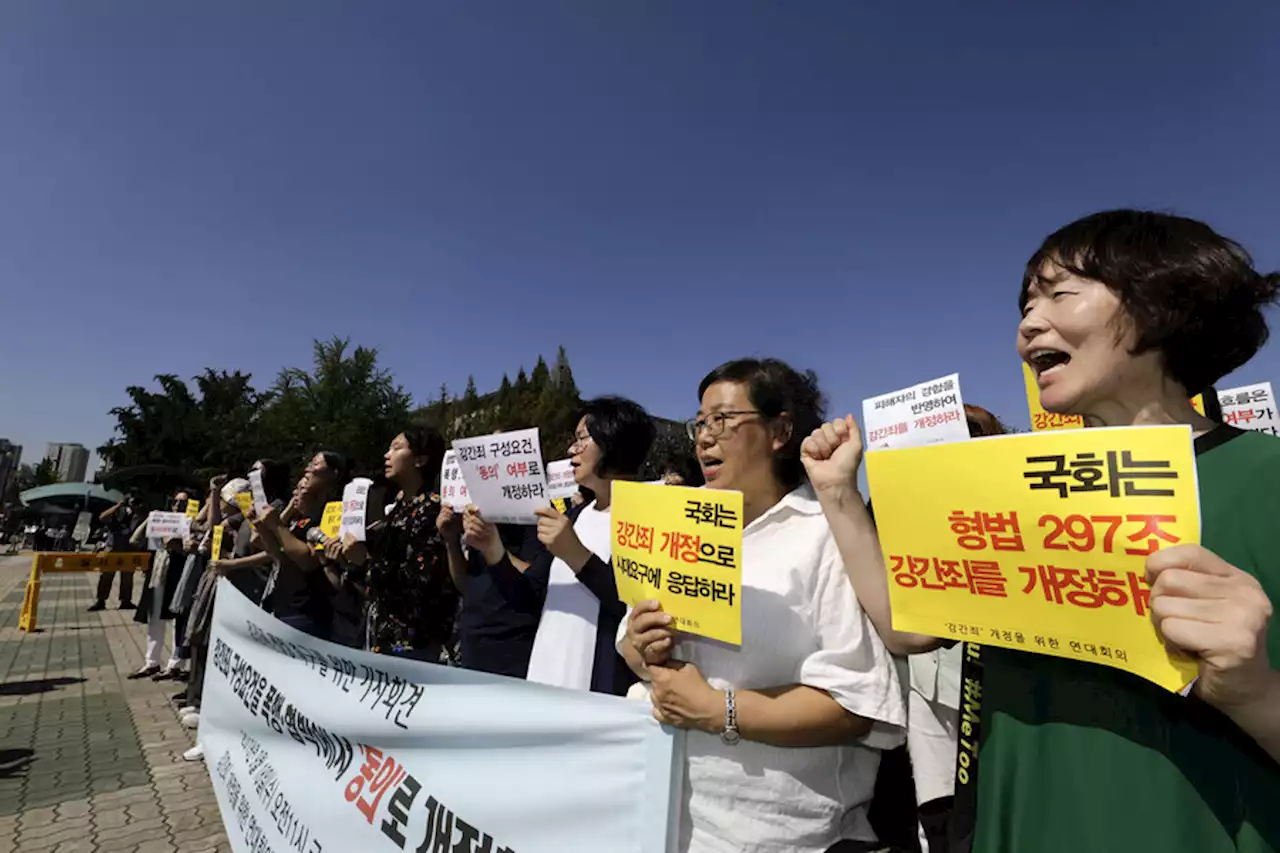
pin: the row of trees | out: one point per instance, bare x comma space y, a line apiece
345, 402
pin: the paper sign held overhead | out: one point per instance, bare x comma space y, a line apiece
215, 545
1039, 542
928, 413
355, 502
260, 502
1250, 407
504, 475
561, 486
453, 488
682, 547
167, 525
193, 508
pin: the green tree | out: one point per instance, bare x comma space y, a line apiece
470, 399
541, 376
345, 403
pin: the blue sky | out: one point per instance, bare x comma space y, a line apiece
659, 186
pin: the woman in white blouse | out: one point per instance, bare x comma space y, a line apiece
784, 731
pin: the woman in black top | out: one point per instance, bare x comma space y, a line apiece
400, 572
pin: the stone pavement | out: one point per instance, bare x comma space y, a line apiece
105, 770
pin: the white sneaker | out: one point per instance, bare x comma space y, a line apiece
192, 720
195, 753
186, 709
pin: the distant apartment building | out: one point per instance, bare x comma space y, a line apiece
71, 461
10, 458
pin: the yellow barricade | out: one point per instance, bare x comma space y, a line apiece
42, 563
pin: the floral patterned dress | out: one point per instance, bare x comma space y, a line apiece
411, 603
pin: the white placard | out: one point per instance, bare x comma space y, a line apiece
312, 746
84, 523
355, 501
453, 488
260, 502
167, 525
504, 475
928, 413
560, 483
1250, 407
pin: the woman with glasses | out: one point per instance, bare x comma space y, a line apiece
784, 731
572, 576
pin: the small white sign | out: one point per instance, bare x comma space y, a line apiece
504, 475
167, 525
84, 523
260, 502
355, 501
1250, 407
928, 413
453, 489
561, 486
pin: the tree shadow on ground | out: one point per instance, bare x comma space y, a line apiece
37, 685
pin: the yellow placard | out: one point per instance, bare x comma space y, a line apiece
1042, 420
561, 505
1039, 542
244, 500
215, 547
682, 547
193, 508
331, 521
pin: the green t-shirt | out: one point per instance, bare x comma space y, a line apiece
1088, 759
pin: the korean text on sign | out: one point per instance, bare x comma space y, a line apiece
1039, 542
504, 475
1041, 420
561, 485
453, 489
355, 507
928, 413
331, 521
166, 525
1250, 407
682, 547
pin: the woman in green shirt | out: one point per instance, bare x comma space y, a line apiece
1125, 315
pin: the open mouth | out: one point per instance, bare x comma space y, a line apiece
710, 466
1045, 361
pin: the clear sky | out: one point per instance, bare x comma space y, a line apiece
659, 186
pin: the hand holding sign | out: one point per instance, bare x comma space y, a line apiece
557, 535
832, 455
448, 523
682, 698
1208, 609
482, 536
650, 634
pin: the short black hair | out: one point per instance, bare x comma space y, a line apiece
1193, 294
275, 479
776, 389
1212, 405
623, 431
425, 440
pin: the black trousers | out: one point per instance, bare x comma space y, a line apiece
104, 586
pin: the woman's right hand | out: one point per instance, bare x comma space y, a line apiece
448, 523
482, 536
649, 633
832, 455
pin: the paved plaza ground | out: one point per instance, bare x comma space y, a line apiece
100, 758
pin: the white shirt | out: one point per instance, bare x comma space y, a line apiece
565, 646
801, 624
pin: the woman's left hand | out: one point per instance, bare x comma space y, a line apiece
682, 698
556, 533
1208, 609
333, 549
353, 552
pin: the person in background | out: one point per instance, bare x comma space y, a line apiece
682, 469
570, 577
299, 593
784, 732
498, 622
118, 523
409, 600
158, 586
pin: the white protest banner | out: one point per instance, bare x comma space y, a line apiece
167, 525
453, 489
313, 746
355, 500
504, 475
84, 523
561, 486
1250, 407
928, 413
260, 502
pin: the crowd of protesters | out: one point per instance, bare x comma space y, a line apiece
1125, 315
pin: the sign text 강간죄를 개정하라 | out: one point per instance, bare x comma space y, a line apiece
1039, 542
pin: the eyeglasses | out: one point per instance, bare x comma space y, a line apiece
579, 442
714, 423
